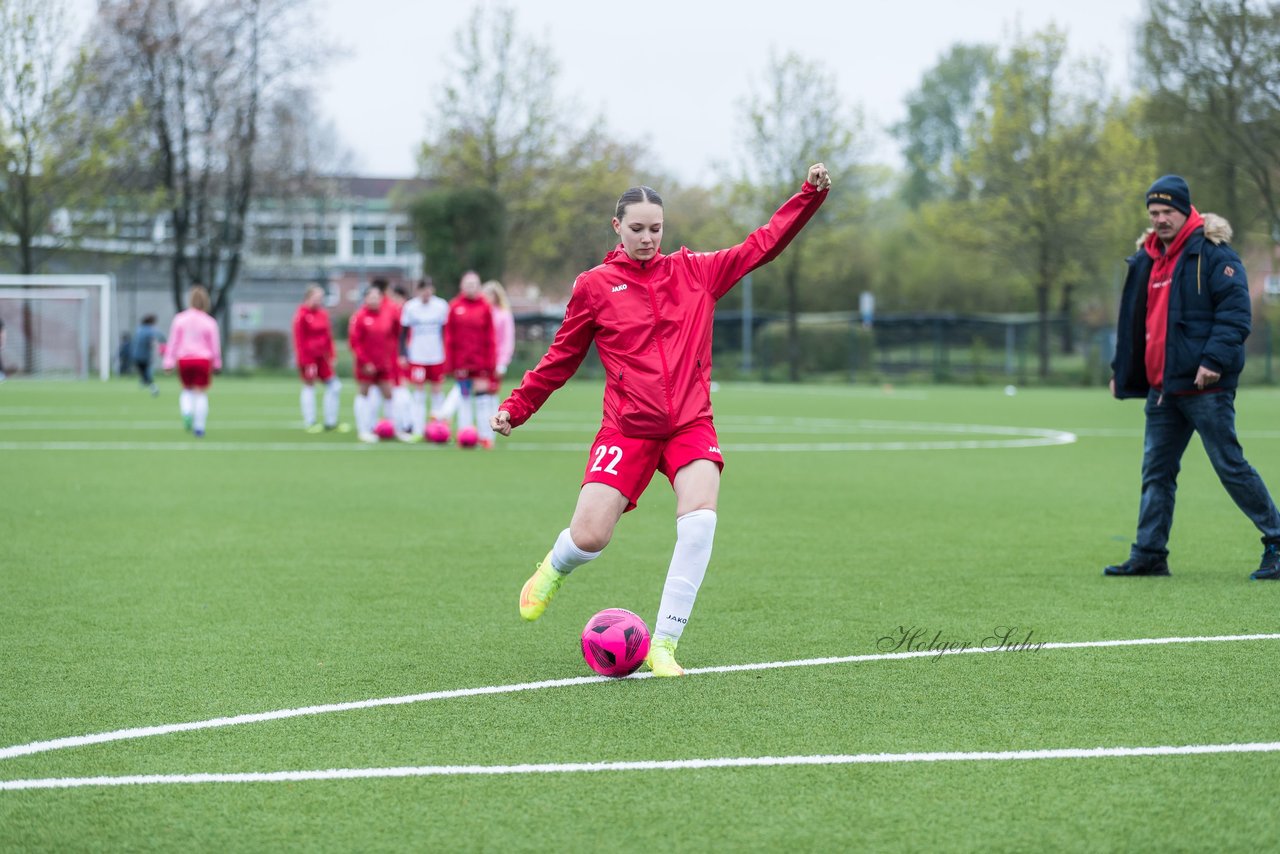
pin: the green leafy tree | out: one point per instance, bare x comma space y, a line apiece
939, 124
501, 124
1212, 70
794, 118
1039, 170
56, 159
577, 203
460, 230
497, 122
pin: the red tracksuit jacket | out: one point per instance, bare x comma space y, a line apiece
469, 344
375, 336
312, 337
651, 323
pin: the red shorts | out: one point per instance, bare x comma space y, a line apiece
481, 381
375, 374
419, 374
628, 464
317, 369
195, 373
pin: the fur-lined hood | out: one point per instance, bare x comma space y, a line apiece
1216, 230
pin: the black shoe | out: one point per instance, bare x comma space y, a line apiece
1134, 566
1269, 569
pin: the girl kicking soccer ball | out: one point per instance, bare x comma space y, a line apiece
650, 317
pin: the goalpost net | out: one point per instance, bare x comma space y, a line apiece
57, 326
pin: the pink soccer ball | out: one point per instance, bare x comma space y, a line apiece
438, 432
615, 642
468, 437
384, 429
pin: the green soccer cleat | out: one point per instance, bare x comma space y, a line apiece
315, 428
662, 658
538, 590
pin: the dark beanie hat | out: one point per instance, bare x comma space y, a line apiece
1173, 191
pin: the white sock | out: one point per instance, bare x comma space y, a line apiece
186, 403
332, 401
485, 404
308, 401
694, 534
466, 412
419, 411
437, 404
201, 414
364, 424
374, 403
450, 404
566, 556
401, 407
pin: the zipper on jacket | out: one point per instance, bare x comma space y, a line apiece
662, 357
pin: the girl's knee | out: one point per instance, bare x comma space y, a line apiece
590, 538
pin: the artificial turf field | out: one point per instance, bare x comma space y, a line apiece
148, 580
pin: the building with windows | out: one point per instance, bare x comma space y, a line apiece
343, 235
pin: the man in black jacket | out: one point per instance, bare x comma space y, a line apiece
1184, 317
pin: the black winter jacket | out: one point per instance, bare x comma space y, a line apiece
1209, 315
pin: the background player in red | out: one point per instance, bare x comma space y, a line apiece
650, 317
470, 349
313, 348
374, 335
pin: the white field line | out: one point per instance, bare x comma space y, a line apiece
194, 445
642, 765
1018, 437
281, 714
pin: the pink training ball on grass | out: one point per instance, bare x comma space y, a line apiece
384, 429
615, 642
438, 432
468, 437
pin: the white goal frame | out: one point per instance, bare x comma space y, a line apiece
106, 286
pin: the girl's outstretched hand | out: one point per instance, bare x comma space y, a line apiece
818, 177
501, 423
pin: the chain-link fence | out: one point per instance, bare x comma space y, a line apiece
939, 348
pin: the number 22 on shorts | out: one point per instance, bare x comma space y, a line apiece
613, 452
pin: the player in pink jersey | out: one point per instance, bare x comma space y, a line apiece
504, 339
195, 349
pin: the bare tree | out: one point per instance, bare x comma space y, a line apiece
54, 158
203, 72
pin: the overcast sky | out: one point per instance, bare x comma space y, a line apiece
676, 73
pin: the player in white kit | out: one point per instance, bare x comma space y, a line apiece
422, 323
